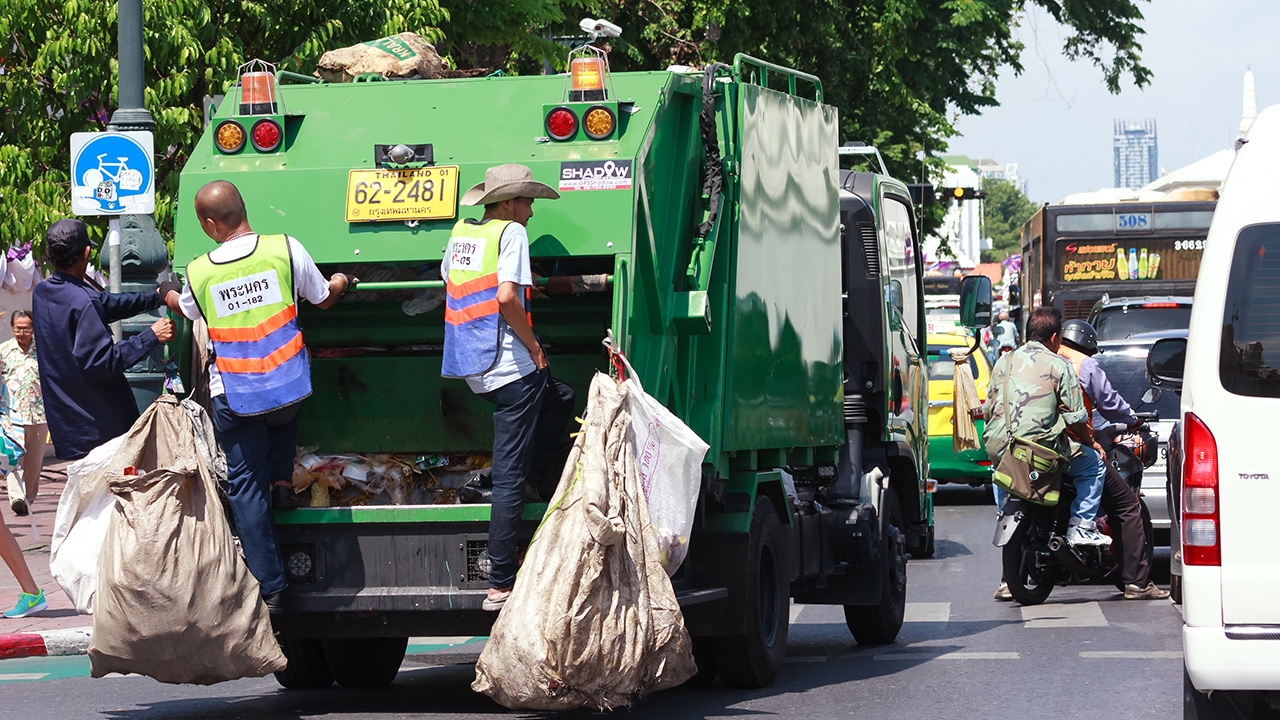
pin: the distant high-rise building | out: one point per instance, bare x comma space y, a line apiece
1136, 159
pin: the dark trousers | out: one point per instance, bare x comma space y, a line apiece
529, 448
259, 450
1128, 536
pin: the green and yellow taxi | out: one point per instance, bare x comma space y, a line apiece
946, 465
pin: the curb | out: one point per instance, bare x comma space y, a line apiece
73, 641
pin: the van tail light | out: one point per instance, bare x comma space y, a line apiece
976, 413
1201, 526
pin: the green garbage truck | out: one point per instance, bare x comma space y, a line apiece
769, 298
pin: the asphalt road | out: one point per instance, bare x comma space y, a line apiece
960, 655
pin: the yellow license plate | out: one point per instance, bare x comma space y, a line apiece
429, 193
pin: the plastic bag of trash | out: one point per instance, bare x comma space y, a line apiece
669, 459
402, 56
84, 514
175, 601
593, 620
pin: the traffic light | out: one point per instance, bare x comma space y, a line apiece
962, 193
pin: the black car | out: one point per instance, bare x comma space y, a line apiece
1118, 318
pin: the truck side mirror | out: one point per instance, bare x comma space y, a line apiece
975, 301
1167, 361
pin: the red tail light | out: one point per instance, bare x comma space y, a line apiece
1160, 305
976, 413
1201, 528
266, 136
562, 124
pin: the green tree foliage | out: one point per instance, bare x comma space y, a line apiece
1004, 211
59, 77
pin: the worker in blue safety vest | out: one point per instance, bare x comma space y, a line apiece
247, 291
489, 341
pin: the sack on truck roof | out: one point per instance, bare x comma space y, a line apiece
404, 56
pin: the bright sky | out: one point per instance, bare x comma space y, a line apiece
1055, 120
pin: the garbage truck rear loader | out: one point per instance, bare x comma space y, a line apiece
769, 300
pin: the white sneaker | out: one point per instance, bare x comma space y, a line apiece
1084, 532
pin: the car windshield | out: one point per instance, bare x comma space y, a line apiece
942, 367
1126, 368
1120, 323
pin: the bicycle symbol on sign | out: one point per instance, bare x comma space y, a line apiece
113, 175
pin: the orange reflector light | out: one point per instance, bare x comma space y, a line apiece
257, 93
598, 122
266, 135
931, 486
229, 136
561, 124
586, 79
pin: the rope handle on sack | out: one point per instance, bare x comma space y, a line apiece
621, 365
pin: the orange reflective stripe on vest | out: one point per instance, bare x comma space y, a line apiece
262, 365
257, 332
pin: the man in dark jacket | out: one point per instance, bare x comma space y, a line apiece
87, 399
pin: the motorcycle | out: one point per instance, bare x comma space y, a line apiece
1035, 553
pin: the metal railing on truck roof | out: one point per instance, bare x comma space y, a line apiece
740, 60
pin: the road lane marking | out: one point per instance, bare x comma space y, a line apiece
927, 612
795, 612
1071, 615
813, 659
950, 656
22, 676
1132, 654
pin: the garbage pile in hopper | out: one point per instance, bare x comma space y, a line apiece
347, 480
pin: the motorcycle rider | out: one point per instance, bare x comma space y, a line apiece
1121, 504
1047, 407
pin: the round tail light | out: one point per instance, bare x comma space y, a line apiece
599, 122
229, 137
561, 124
266, 135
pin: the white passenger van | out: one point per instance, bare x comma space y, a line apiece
1230, 431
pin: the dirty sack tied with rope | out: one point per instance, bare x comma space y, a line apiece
175, 601
593, 620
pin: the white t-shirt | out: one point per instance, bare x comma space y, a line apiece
308, 284
514, 361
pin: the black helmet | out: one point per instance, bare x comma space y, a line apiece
1080, 335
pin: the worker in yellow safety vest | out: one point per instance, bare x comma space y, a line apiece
247, 291
489, 341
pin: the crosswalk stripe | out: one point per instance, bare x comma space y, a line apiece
1063, 615
950, 656
1132, 654
22, 676
796, 609
927, 612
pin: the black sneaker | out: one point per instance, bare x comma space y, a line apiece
282, 498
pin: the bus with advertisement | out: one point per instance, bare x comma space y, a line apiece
1074, 253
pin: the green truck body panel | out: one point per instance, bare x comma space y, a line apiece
741, 333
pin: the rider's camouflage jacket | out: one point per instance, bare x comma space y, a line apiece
1043, 399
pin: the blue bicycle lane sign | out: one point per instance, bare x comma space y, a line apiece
112, 173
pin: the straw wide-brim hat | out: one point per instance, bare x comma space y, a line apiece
504, 182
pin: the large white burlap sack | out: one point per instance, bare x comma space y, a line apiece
175, 600
405, 55
593, 620
84, 514
669, 460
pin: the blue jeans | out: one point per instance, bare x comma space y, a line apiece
529, 448
1087, 472
259, 450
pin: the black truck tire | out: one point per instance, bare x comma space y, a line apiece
753, 659
307, 669
879, 624
703, 657
925, 549
364, 662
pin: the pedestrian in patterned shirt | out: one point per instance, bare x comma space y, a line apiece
25, 408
